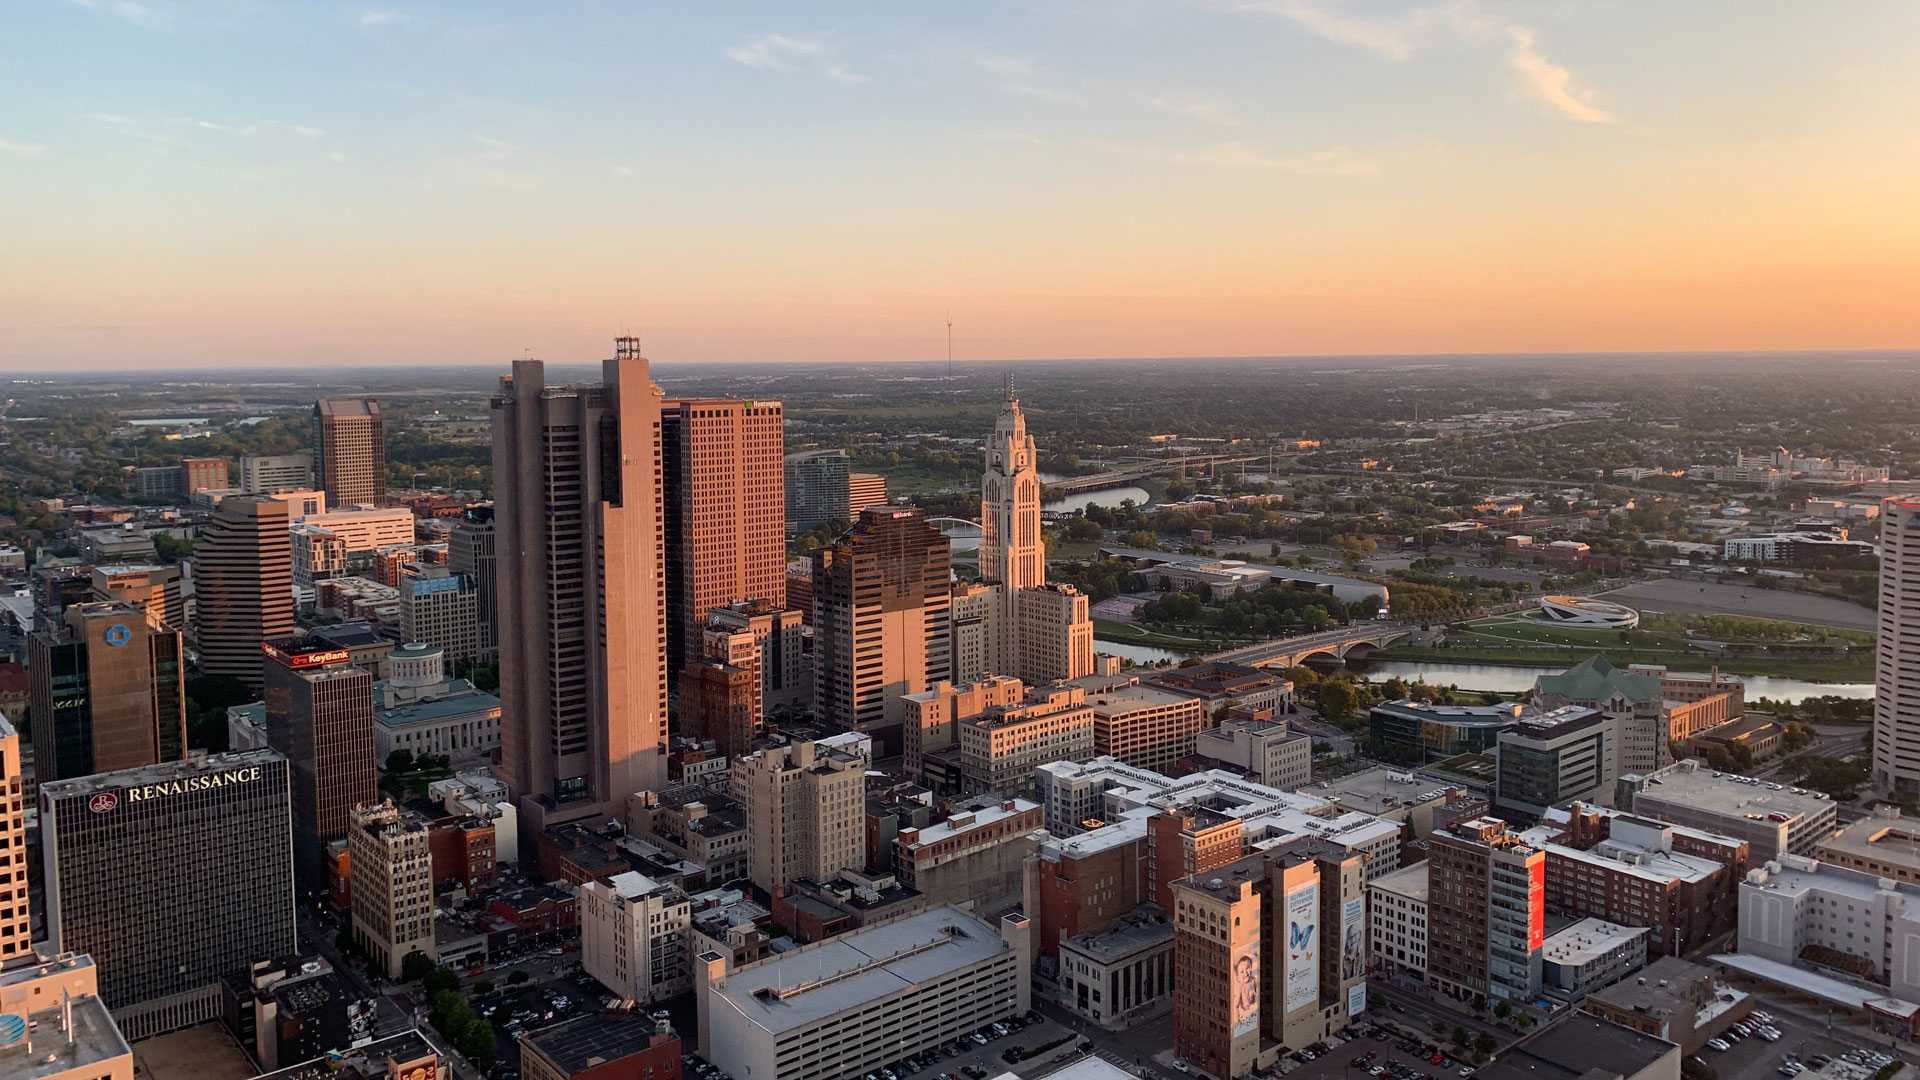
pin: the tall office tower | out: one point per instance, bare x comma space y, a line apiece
470, 552
439, 607
1011, 551
726, 512
108, 691
155, 590
577, 495
1486, 912
1270, 952
718, 701
769, 640
317, 554
320, 715
243, 585
350, 451
390, 863
1029, 629
173, 876
1896, 697
806, 812
880, 626
268, 473
16, 928
816, 483
54, 587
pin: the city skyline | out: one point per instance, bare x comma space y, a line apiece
421, 184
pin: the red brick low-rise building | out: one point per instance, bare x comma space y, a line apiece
537, 911
1085, 883
607, 1046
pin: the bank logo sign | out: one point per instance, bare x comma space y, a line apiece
118, 634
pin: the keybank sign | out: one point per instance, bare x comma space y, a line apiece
189, 784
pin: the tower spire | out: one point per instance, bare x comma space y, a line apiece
1009, 384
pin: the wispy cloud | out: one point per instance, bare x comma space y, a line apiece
139, 14
1398, 36
492, 149
1551, 81
375, 18
1019, 137
818, 53
623, 170
21, 149
1211, 113
256, 127
1023, 78
1339, 161
110, 118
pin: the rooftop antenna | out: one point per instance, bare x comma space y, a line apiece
1009, 384
949, 344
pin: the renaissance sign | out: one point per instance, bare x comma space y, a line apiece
188, 784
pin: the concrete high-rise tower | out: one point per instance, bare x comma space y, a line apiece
1011, 551
350, 451
880, 621
726, 513
578, 542
243, 585
1896, 698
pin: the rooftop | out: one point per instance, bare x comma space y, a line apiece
1594, 679
965, 820
461, 699
1488, 715
587, 1041
1588, 940
1409, 881
154, 774
1662, 988
1581, 1045
1141, 928
1079, 1068
1555, 723
1379, 791
367, 1062
802, 987
1693, 785
93, 1040
1894, 840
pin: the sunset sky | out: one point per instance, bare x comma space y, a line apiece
201, 182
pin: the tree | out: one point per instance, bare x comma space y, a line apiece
1503, 1010
440, 978
476, 1043
483, 987
1486, 1044
415, 966
401, 760
1459, 1035
515, 978
1337, 699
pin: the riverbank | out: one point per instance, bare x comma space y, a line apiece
1854, 669
1130, 634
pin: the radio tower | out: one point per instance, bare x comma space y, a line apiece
949, 344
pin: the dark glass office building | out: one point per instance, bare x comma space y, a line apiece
172, 876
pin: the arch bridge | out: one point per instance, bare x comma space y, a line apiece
1326, 648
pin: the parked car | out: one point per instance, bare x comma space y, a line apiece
1720, 1044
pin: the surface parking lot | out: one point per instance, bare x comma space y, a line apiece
1395, 1057
1755, 1059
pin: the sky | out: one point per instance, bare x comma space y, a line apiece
238, 182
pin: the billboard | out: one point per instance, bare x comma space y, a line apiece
1357, 999
1353, 940
1303, 946
1244, 987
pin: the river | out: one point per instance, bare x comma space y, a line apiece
1109, 497
1503, 678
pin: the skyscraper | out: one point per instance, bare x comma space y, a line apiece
174, 876
243, 585
880, 624
109, 692
1896, 698
1011, 551
816, 488
16, 927
320, 715
470, 552
725, 512
350, 451
579, 537
1013, 623
268, 473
